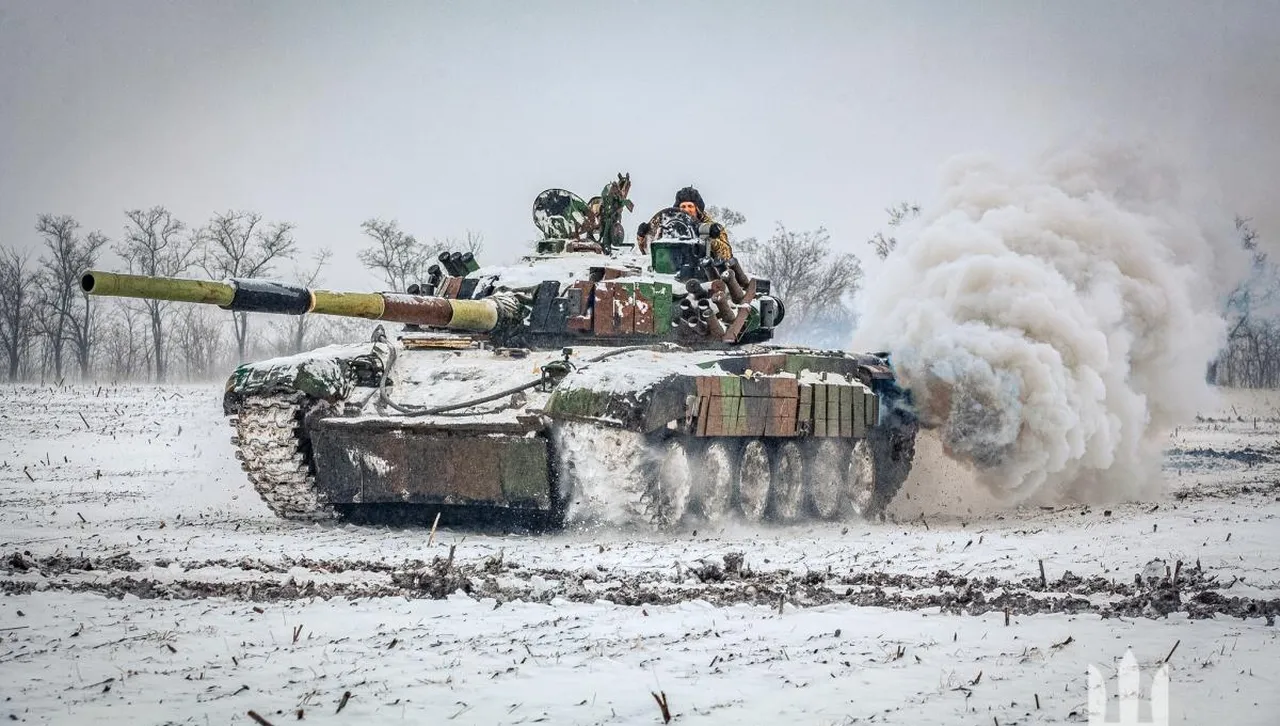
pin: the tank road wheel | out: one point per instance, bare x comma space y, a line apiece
715, 474
825, 484
860, 479
673, 486
788, 482
754, 476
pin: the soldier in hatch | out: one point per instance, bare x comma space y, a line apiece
689, 201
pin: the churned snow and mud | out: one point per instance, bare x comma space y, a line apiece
145, 582
1056, 317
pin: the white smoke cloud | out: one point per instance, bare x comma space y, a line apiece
1056, 322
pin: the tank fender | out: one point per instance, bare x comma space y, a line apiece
328, 373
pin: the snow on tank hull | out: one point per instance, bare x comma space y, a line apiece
654, 435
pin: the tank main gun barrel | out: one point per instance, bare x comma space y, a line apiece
266, 296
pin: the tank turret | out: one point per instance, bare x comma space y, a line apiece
582, 286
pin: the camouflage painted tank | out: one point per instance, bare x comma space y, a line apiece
589, 382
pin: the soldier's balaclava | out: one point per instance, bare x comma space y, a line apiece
689, 194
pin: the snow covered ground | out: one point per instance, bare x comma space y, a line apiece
145, 582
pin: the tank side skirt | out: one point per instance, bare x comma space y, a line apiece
368, 462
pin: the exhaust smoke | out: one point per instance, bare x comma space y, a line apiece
1054, 324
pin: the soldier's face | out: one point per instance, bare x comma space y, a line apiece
689, 208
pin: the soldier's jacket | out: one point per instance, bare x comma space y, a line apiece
720, 247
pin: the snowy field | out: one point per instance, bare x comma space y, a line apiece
146, 583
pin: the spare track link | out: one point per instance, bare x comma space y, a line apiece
274, 452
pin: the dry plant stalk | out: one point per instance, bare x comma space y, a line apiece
432, 539
662, 705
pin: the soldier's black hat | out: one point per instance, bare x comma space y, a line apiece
689, 194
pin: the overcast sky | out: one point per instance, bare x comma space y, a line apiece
449, 116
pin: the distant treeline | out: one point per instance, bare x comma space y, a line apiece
50, 330
1252, 356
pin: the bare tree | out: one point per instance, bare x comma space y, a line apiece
814, 282
300, 324
82, 315
17, 307
238, 244
197, 336
59, 234
328, 330
1252, 355
122, 345
69, 315
46, 330
727, 217
471, 241
1259, 289
898, 215
157, 244
399, 257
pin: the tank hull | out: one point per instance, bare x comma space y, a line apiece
654, 436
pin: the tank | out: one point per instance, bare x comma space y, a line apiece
599, 379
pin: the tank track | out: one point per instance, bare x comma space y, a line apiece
273, 450
614, 477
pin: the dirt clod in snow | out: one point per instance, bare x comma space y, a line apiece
59, 564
